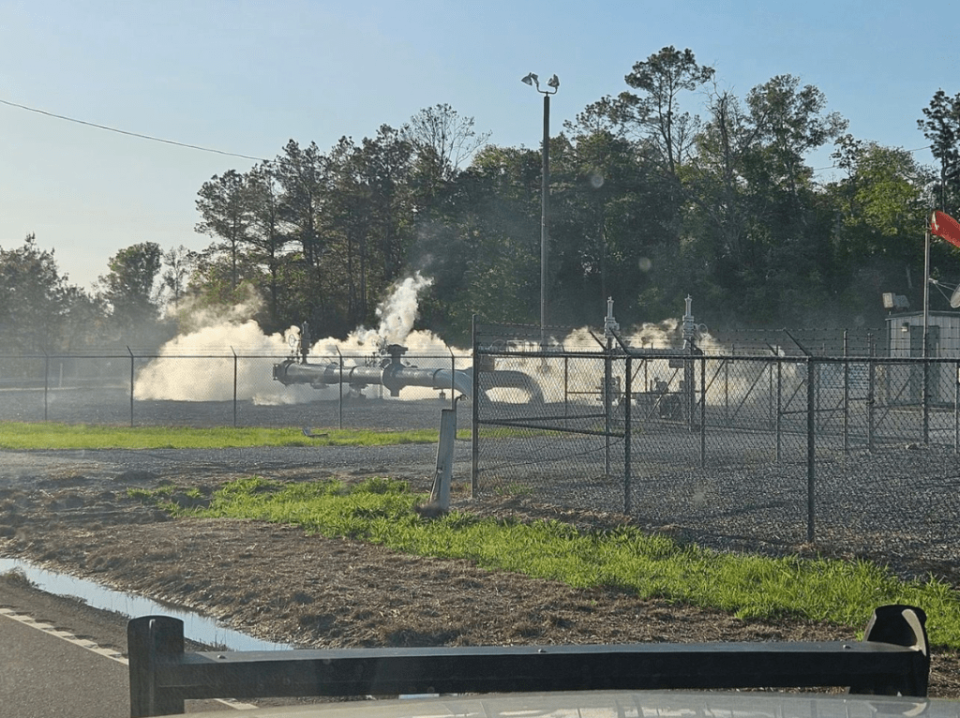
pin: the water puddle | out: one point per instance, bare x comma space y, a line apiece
195, 627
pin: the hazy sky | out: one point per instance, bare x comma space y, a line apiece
245, 77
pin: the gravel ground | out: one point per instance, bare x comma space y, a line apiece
897, 505
70, 511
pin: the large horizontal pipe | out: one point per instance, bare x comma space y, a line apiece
395, 376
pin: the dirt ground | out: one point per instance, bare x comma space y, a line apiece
278, 583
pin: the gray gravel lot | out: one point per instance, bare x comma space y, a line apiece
113, 406
899, 505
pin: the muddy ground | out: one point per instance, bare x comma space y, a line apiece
278, 583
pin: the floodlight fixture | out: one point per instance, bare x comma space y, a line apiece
554, 82
895, 302
531, 79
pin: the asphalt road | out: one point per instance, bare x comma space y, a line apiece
46, 672
45, 675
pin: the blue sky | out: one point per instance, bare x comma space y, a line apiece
245, 77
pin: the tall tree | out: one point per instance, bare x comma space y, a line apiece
792, 121
266, 238
34, 299
303, 176
224, 210
178, 261
385, 164
660, 79
443, 142
485, 247
941, 125
130, 289
881, 208
609, 224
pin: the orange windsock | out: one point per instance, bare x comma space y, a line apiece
946, 227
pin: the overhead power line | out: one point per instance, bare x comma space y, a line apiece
132, 134
200, 148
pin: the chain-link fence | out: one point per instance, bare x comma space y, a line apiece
858, 454
768, 452
221, 389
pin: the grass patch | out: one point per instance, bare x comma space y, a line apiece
16, 577
751, 587
25, 436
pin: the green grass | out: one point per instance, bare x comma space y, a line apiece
24, 436
751, 587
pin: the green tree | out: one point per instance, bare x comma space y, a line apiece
130, 290
178, 262
655, 110
443, 142
941, 125
35, 300
791, 121
610, 226
482, 245
266, 239
303, 178
881, 210
224, 207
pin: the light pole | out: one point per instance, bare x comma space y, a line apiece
553, 83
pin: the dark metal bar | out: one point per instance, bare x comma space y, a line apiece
893, 658
151, 642
553, 428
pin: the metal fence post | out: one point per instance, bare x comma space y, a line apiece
152, 640
956, 408
925, 398
46, 380
811, 446
131, 385
453, 381
925, 401
726, 390
234, 385
779, 408
703, 411
475, 409
846, 392
340, 402
871, 393
628, 436
607, 403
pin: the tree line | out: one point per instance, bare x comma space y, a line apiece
675, 186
